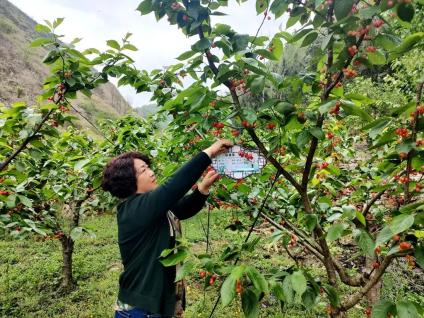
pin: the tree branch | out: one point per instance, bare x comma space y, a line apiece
251, 132
414, 139
4, 164
308, 245
352, 300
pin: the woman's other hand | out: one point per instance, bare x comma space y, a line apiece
209, 179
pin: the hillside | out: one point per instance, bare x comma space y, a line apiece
22, 72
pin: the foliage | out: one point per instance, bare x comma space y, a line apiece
350, 170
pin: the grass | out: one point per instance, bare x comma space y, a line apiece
30, 274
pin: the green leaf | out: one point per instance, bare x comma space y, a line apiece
250, 303
184, 270
411, 207
257, 279
145, 7
24, 200
406, 309
303, 138
51, 57
386, 41
324, 108
240, 42
261, 6
335, 231
76, 233
405, 12
419, 255
175, 258
258, 84
265, 53
310, 38
326, 41
11, 201
382, 308
129, 47
228, 287
277, 46
42, 28
40, 41
298, 281
57, 22
376, 58
342, 8
288, 290
311, 221
228, 290
81, 163
368, 13
407, 44
317, 132
398, 224
349, 212
278, 7
186, 55
351, 109
201, 45
401, 223
360, 217
365, 243
113, 44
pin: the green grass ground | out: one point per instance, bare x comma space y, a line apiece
30, 274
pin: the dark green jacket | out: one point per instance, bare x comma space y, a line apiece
144, 231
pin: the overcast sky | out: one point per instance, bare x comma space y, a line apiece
159, 43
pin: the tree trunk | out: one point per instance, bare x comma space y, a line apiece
67, 251
373, 294
339, 314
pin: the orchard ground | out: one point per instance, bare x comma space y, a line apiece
29, 272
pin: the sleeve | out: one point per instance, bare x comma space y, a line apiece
189, 205
156, 203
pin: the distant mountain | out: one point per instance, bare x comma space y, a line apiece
22, 71
146, 110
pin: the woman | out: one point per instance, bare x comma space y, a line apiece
146, 225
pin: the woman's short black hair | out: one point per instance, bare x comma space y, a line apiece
119, 176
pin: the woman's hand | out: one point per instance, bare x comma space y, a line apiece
218, 147
209, 179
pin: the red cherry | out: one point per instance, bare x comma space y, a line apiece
352, 50
235, 132
404, 246
403, 155
202, 274
377, 23
368, 311
270, 126
402, 132
371, 49
376, 265
238, 287
396, 238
